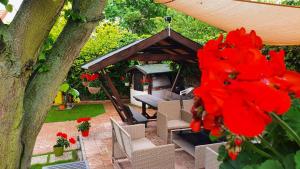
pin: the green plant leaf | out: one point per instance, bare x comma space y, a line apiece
4, 2
9, 7
292, 117
297, 159
64, 87
270, 164
250, 167
74, 92
288, 161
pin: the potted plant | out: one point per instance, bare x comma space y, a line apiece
84, 126
85, 77
61, 143
62, 107
70, 96
94, 84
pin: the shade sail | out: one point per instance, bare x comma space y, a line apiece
276, 24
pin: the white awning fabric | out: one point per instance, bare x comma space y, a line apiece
275, 24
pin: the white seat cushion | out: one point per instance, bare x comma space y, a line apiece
175, 124
142, 143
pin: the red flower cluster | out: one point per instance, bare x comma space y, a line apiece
89, 77
83, 119
147, 80
240, 86
61, 134
72, 140
65, 137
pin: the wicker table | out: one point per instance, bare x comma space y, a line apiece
197, 151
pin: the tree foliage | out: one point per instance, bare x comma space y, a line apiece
108, 36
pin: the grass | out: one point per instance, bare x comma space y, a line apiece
40, 166
84, 110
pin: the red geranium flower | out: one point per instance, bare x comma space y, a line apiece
72, 140
195, 125
233, 155
59, 134
64, 135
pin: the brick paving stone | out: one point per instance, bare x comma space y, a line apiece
98, 145
65, 156
39, 159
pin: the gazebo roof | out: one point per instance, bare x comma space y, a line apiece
165, 45
152, 68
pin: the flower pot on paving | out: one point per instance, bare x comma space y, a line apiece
85, 133
58, 151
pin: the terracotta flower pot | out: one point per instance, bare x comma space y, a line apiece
85, 133
94, 90
61, 107
85, 84
58, 151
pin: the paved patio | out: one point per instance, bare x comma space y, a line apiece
98, 144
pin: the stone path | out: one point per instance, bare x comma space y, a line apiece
98, 145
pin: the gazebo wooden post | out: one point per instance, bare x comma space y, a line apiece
113, 102
116, 94
176, 78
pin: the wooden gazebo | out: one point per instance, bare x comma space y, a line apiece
165, 45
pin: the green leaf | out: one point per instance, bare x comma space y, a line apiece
222, 153
4, 2
292, 117
213, 138
9, 7
297, 159
270, 164
64, 87
74, 92
42, 57
288, 161
250, 167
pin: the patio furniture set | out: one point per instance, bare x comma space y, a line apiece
129, 141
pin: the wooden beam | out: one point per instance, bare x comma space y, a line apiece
111, 86
176, 79
159, 57
113, 102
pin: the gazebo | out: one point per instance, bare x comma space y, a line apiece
166, 45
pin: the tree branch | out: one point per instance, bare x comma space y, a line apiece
32, 25
42, 88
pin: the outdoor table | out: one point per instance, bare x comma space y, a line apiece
150, 100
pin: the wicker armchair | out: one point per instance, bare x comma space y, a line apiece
171, 115
211, 158
130, 142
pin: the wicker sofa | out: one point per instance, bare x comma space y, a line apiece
171, 115
129, 142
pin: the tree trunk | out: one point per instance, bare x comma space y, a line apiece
24, 101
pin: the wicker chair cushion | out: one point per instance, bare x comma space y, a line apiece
141, 144
187, 105
175, 124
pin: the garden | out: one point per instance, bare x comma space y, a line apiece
69, 87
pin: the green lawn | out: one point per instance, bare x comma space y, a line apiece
84, 110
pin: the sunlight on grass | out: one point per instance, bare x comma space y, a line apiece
86, 110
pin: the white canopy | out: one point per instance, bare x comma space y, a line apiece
276, 24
